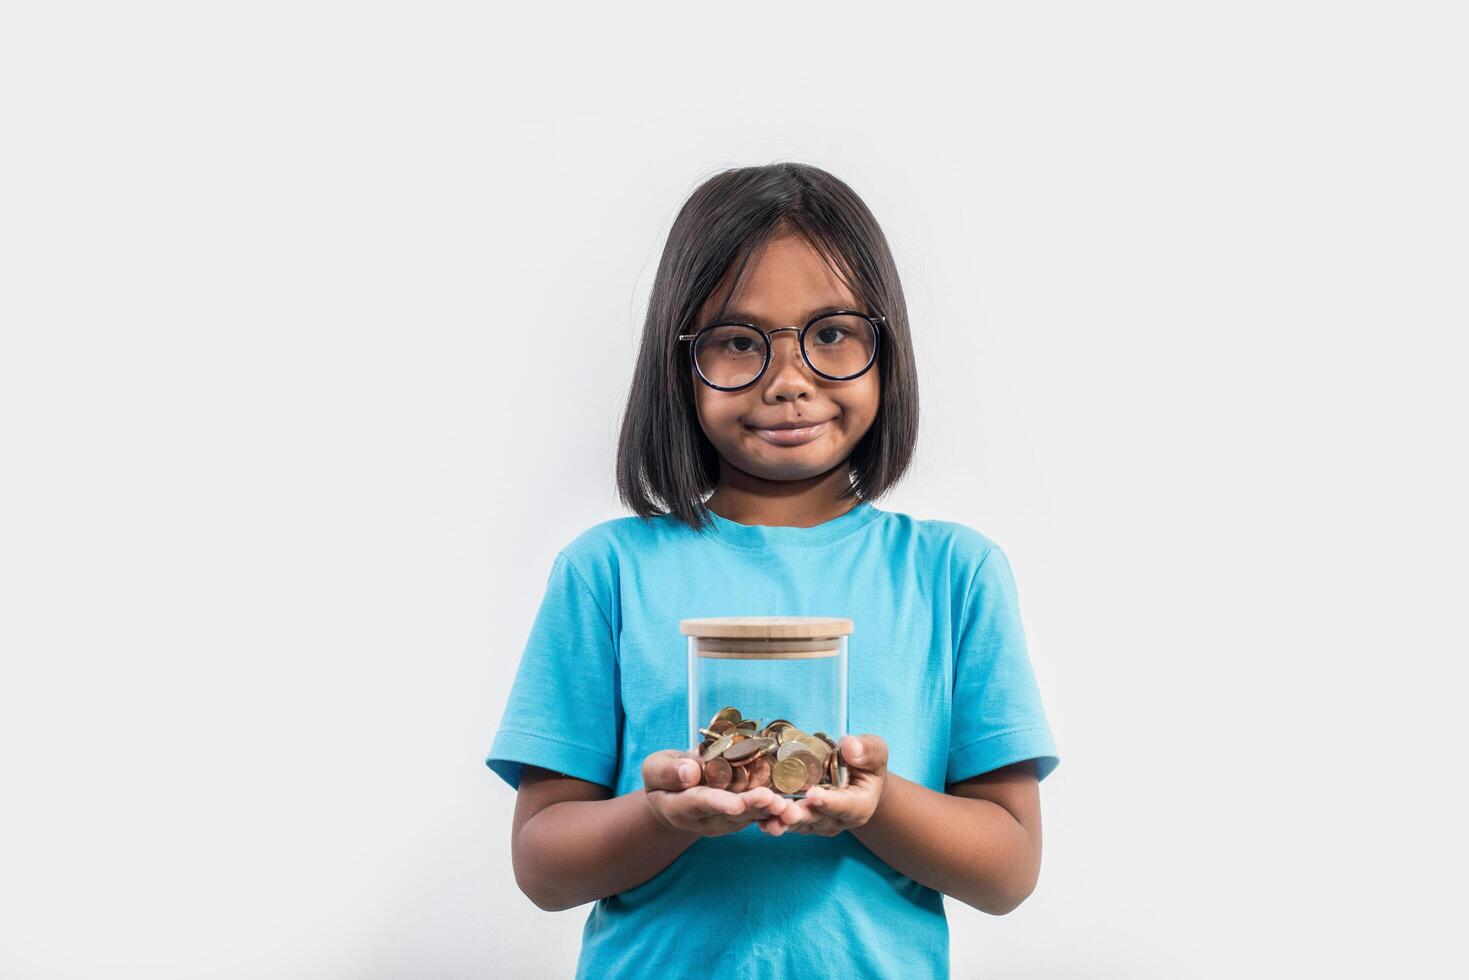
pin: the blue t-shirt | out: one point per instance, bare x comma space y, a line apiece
937, 666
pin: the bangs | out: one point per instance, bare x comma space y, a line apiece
840, 256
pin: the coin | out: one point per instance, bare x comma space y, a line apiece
786, 748
815, 746
718, 747
718, 773
802, 755
744, 751
753, 755
789, 775
813, 770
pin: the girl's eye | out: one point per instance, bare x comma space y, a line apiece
829, 336
730, 341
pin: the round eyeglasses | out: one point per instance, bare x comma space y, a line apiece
838, 345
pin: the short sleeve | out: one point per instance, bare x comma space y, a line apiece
563, 712
997, 714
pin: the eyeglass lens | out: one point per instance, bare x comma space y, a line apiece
731, 355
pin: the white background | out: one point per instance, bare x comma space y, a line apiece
318, 323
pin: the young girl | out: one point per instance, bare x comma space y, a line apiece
774, 399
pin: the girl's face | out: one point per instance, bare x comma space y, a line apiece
784, 287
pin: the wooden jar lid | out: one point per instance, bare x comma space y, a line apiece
767, 637
766, 627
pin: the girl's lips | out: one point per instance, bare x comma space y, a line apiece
790, 437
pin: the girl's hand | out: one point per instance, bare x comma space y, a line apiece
828, 812
671, 782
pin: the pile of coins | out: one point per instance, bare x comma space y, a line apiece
738, 755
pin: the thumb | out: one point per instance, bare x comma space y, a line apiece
865, 751
671, 770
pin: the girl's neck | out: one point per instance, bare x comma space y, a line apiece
747, 499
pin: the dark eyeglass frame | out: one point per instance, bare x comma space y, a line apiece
876, 320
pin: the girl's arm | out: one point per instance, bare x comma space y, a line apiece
982, 844
572, 842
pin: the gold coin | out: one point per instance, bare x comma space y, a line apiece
740, 781
815, 746
806, 759
786, 748
789, 775
813, 770
743, 752
803, 754
731, 715
716, 749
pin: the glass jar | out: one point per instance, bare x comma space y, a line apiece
780, 681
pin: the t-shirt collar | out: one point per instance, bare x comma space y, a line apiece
782, 536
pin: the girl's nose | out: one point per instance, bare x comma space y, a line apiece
788, 375
788, 347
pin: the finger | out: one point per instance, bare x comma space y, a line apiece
824, 828
796, 812
836, 804
868, 752
765, 800
764, 795
814, 822
672, 770
718, 826
773, 826
702, 802
758, 814
762, 802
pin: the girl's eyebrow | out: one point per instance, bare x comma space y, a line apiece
819, 311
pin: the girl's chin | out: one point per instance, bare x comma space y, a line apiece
786, 467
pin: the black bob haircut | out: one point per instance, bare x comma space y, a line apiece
665, 462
